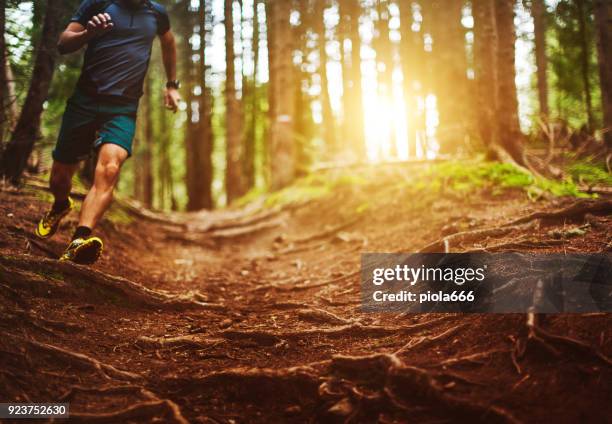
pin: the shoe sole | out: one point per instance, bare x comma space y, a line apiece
54, 230
88, 253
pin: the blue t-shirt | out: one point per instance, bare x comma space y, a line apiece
116, 62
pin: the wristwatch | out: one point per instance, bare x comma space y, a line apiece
176, 84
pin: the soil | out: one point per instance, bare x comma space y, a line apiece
252, 315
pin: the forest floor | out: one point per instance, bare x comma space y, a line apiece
253, 314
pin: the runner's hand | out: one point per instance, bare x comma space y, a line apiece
172, 99
99, 24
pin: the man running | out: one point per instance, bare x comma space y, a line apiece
101, 114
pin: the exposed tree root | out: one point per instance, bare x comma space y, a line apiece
423, 340
192, 341
77, 359
152, 407
539, 339
63, 276
445, 243
321, 317
575, 211
329, 232
148, 409
269, 338
403, 387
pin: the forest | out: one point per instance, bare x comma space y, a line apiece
312, 141
273, 91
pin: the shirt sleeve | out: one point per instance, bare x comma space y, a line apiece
86, 11
163, 21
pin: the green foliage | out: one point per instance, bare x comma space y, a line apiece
590, 173
565, 55
468, 177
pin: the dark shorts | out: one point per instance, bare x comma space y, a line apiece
89, 122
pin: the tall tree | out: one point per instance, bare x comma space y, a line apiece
603, 19
485, 67
385, 62
198, 131
146, 146
3, 82
329, 127
355, 92
281, 102
233, 123
509, 135
412, 53
18, 150
250, 141
538, 12
583, 17
451, 88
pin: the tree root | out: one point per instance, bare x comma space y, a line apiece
576, 210
321, 316
74, 358
147, 409
153, 406
542, 340
422, 340
444, 244
38, 273
401, 386
269, 338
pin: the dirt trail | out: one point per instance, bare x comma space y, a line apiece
253, 316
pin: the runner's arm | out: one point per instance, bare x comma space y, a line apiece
168, 47
76, 35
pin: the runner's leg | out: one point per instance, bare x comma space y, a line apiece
111, 158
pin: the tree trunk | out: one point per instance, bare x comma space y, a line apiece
198, 133
412, 70
355, 112
3, 79
146, 146
233, 167
538, 11
329, 127
450, 80
485, 67
26, 132
251, 135
509, 135
584, 62
205, 139
603, 20
282, 104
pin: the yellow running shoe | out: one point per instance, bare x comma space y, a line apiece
83, 251
49, 223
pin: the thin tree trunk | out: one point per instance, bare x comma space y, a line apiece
412, 61
146, 157
282, 139
251, 136
343, 34
485, 67
384, 57
205, 139
3, 79
356, 116
538, 11
329, 127
18, 150
509, 135
584, 62
603, 20
450, 73
233, 167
